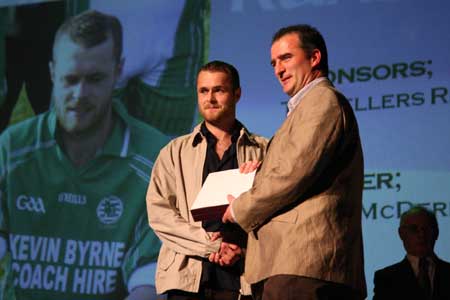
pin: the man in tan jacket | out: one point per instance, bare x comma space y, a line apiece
192, 263
303, 213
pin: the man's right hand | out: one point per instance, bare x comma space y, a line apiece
229, 254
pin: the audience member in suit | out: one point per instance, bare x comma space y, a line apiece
421, 274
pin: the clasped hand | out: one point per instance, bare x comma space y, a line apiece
228, 254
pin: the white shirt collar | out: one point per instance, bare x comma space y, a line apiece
295, 100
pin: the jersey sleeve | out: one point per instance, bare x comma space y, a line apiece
169, 102
143, 252
6, 278
3, 177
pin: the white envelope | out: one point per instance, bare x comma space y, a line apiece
211, 201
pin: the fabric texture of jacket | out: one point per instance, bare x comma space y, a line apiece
303, 213
175, 182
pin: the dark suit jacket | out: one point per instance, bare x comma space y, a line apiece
399, 282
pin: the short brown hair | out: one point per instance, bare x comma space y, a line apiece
310, 38
92, 28
220, 66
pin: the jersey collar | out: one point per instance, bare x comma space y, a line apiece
118, 143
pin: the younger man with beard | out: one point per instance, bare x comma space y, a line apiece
186, 268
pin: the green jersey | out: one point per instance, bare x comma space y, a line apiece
77, 233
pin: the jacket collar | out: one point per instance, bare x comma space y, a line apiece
295, 100
197, 136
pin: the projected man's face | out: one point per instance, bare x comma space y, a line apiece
83, 82
216, 97
418, 235
291, 64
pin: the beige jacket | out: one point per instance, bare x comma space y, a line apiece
303, 212
175, 182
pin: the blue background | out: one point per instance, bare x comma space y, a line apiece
412, 141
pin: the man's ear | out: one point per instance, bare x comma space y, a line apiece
315, 58
401, 233
435, 234
51, 67
237, 95
119, 68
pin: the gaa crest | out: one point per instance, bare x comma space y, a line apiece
109, 210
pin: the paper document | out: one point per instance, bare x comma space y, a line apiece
211, 201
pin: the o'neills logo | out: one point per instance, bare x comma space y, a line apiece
72, 198
31, 204
109, 210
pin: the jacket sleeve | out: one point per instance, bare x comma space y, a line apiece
165, 218
298, 154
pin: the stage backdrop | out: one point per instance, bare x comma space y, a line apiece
391, 59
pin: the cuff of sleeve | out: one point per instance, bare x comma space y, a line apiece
243, 222
232, 211
213, 247
144, 275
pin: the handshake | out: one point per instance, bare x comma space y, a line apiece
228, 254
233, 244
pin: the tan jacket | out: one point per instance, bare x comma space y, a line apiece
304, 210
175, 182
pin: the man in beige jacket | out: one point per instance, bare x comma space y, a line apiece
303, 213
187, 266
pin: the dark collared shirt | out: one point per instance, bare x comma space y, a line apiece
213, 275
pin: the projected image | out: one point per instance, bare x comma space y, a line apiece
74, 169
164, 46
26, 53
81, 123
